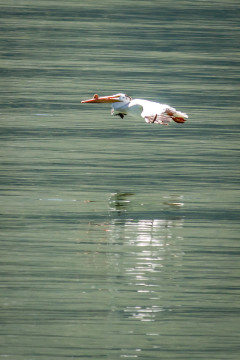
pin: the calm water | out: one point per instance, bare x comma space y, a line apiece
119, 239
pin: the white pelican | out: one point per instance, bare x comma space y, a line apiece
151, 112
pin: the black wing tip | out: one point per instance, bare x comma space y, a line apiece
120, 114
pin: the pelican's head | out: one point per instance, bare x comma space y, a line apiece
123, 98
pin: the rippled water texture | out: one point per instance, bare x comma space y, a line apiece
119, 239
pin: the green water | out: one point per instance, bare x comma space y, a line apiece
119, 239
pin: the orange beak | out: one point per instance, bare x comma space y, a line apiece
102, 99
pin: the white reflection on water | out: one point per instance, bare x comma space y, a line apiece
155, 245
153, 253
156, 232
143, 314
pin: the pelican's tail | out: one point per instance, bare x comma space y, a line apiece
176, 116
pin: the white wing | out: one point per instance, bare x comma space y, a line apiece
161, 113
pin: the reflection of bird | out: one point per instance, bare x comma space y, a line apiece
151, 112
119, 201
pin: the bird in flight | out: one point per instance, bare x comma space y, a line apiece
151, 112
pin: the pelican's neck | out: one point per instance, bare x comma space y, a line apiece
121, 105
135, 107
131, 107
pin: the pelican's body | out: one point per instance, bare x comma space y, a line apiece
151, 112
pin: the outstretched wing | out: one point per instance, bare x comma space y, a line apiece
162, 119
166, 116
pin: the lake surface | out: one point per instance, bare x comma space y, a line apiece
119, 239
